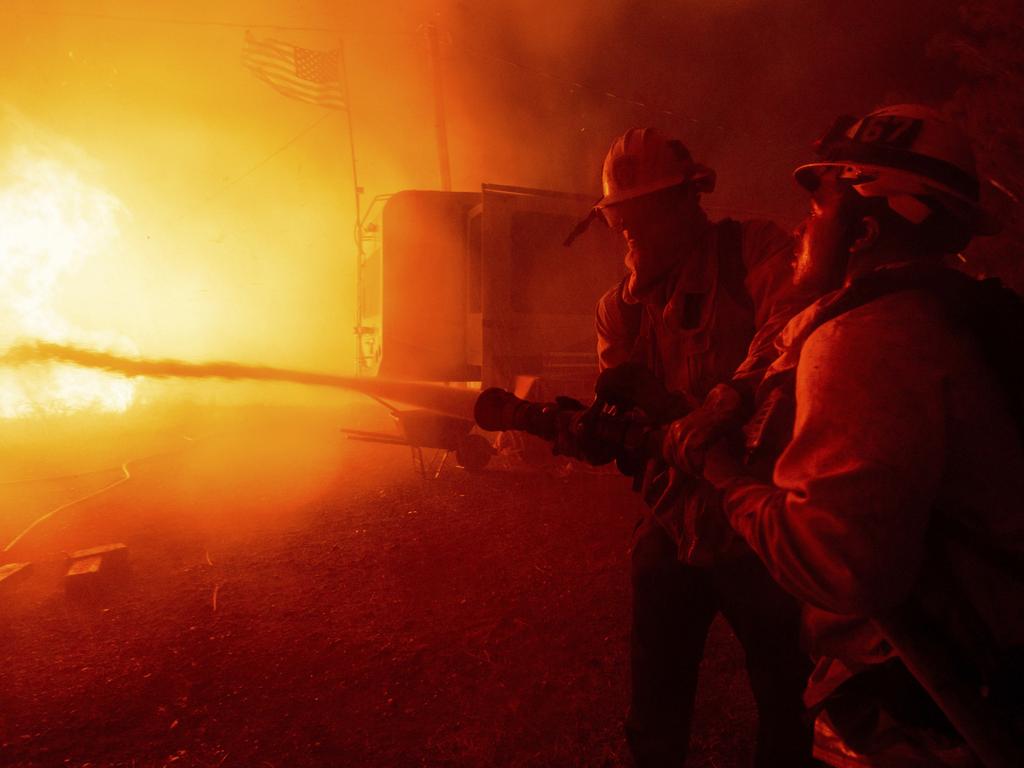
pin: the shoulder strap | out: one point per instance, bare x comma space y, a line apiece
632, 314
636, 326
991, 312
731, 269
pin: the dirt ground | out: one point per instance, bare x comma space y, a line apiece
300, 599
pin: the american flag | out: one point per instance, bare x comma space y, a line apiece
301, 73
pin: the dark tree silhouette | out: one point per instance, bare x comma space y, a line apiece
988, 51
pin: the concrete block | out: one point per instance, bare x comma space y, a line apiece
87, 566
111, 553
93, 571
13, 572
85, 577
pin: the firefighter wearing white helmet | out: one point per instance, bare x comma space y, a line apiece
673, 331
896, 413
919, 162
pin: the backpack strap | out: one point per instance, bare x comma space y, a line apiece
732, 271
732, 274
992, 313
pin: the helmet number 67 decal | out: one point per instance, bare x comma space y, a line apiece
891, 130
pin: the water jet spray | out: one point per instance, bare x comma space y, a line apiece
447, 400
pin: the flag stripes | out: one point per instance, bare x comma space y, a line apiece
299, 73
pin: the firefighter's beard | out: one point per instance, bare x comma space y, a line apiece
648, 267
821, 257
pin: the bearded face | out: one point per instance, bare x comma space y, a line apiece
658, 229
823, 247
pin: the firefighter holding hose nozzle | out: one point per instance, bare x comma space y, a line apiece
699, 299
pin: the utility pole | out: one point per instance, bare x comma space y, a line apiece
440, 123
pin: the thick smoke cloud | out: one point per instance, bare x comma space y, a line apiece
747, 84
237, 239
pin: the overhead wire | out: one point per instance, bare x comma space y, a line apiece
571, 84
567, 82
536, 71
176, 21
264, 160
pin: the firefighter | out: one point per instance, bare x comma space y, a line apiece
679, 324
894, 510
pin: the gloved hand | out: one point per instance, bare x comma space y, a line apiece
566, 442
722, 464
687, 440
576, 436
645, 461
631, 385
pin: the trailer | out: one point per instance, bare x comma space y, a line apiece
478, 288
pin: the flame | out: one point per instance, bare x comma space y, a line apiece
51, 223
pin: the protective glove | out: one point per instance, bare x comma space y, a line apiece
576, 435
722, 464
631, 385
688, 439
643, 462
566, 442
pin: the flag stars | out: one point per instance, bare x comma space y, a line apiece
316, 66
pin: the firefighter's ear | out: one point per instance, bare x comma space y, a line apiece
865, 234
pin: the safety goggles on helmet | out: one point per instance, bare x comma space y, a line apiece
643, 161
639, 163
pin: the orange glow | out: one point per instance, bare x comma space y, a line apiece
235, 238
52, 224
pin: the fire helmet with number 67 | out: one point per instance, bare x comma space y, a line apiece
909, 154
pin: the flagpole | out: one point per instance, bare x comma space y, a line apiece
358, 191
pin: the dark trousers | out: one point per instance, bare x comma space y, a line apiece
673, 607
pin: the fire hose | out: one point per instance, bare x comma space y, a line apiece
599, 433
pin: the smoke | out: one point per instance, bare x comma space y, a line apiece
239, 244
535, 93
748, 84
454, 402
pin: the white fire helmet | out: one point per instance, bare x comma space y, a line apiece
644, 160
908, 154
